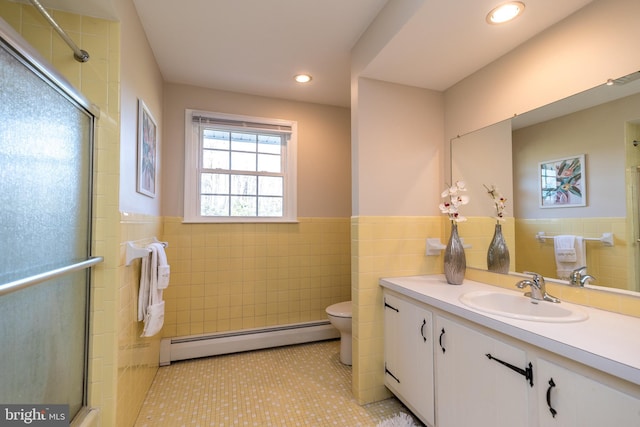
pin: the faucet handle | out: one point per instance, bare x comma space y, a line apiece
576, 276
538, 278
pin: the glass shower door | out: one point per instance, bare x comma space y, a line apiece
45, 231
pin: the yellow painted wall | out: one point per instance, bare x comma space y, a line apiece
227, 277
139, 215
138, 358
384, 246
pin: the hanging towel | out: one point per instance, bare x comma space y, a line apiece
164, 270
145, 285
150, 303
565, 248
569, 254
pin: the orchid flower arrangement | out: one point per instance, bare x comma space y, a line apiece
453, 200
498, 201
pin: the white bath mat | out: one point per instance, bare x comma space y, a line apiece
399, 420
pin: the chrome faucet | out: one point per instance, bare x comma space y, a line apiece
578, 279
537, 285
583, 279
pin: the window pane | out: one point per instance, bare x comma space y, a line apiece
269, 163
271, 144
215, 159
243, 185
243, 142
270, 206
214, 183
240, 171
214, 205
270, 185
215, 139
243, 161
243, 206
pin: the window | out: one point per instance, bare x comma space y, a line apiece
239, 169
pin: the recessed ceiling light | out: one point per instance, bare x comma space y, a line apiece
303, 78
505, 12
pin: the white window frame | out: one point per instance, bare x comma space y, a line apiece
193, 162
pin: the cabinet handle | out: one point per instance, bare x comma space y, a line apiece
387, 371
526, 372
424, 323
440, 340
386, 304
551, 385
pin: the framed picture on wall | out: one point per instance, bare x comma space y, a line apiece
147, 151
562, 182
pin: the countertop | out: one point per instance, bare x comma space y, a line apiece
606, 341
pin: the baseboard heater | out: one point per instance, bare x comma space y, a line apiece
194, 346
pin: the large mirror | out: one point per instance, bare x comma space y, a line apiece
566, 169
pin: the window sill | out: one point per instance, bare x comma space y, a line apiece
224, 220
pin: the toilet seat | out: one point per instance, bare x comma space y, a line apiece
341, 309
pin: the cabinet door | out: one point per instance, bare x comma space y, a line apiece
567, 399
409, 355
471, 388
393, 350
417, 331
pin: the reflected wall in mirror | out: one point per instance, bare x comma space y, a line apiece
601, 124
483, 158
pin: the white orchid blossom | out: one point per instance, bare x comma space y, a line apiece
454, 201
498, 201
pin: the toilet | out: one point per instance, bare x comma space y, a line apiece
340, 317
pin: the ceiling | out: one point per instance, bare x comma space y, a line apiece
257, 46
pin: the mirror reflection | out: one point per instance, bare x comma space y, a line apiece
569, 172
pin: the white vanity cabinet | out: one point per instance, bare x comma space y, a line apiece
473, 387
408, 354
489, 370
566, 398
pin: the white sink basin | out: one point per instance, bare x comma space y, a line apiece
521, 307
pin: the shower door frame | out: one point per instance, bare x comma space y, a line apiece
14, 44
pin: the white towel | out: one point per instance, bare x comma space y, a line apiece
145, 285
150, 303
164, 270
565, 248
569, 253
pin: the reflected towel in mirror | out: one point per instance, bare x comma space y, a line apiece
569, 254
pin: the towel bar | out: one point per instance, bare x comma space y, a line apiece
133, 252
606, 239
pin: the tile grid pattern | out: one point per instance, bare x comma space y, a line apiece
301, 385
227, 277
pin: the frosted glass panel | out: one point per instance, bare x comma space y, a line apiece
44, 143
42, 351
45, 168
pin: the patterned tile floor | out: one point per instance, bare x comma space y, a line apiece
301, 385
